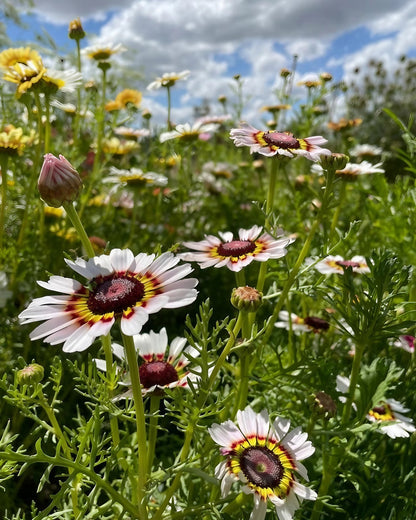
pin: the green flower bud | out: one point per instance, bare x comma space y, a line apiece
246, 298
30, 375
335, 161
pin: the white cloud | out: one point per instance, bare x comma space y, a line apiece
215, 39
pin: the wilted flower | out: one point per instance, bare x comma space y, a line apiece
58, 181
121, 287
264, 457
236, 254
271, 143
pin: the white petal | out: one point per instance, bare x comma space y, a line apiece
121, 259
61, 284
134, 323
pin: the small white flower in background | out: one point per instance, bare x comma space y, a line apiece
297, 324
102, 52
406, 343
168, 79
161, 367
353, 170
188, 132
337, 264
136, 177
365, 150
388, 414
264, 457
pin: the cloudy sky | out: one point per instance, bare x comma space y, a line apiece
216, 39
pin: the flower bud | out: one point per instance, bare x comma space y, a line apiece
76, 31
246, 298
335, 161
58, 182
30, 375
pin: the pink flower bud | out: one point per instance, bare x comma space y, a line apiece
58, 181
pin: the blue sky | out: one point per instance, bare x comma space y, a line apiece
216, 39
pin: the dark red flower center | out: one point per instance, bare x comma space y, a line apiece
281, 140
348, 263
115, 294
157, 373
381, 409
236, 248
316, 323
262, 467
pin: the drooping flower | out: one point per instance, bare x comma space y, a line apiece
406, 342
188, 132
161, 368
337, 264
168, 79
265, 458
271, 143
236, 254
296, 323
121, 287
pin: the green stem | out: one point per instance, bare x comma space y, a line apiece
355, 372
106, 343
169, 124
76, 222
202, 397
60, 435
3, 167
47, 125
328, 473
77, 111
337, 212
131, 356
153, 422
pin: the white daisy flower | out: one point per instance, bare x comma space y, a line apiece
121, 287
264, 457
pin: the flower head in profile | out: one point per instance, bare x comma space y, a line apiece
102, 52
187, 132
135, 177
168, 80
365, 150
116, 146
336, 264
62, 80
354, 170
291, 321
12, 140
264, 457
161, 367
121, 287
271, 143
235, 254
24, 75
132, 133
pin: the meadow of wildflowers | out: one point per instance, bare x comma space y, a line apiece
211, 319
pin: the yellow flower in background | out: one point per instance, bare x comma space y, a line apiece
24, 55
115, 146
12, 140
129, 96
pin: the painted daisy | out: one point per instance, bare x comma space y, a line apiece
388, 414
271, 143
236, 254
160, 368
264, 457
121, 287
168, 79
337, 264
406, 343
62, 80
296, 323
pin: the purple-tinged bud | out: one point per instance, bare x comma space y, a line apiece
58, 181
30, 375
